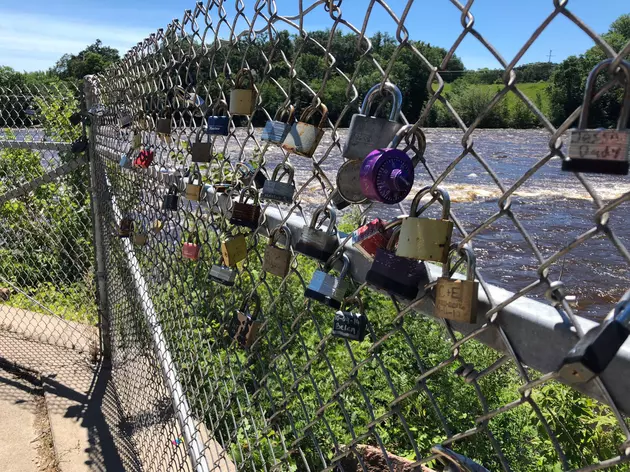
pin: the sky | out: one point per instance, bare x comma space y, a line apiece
35, 33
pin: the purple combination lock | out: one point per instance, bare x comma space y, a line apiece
387, 176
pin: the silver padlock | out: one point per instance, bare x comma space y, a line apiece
276, 190
243, 100
304, 137
602, 151
276, 130
223, 275
315, 242
326, 288
349, 182
367, 133
277, 261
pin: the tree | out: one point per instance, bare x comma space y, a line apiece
92, 60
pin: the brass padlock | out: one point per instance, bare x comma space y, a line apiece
326, 288
234, 249
243, 100
277, 191
277, 261
602, 151
456, 299
140, 237
246, 214
303, 138
315, 242
350, 324
426, 239
244, 326
194, 186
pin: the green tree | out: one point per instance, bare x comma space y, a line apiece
92, 60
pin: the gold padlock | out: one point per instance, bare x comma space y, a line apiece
426, 239
194, 186
456, 299
242, 100
234, 250
277, 260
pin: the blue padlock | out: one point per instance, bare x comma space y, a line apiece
125, 162
218, 124
276, 130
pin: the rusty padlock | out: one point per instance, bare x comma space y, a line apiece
194, 186
234, 249
243, 100
426, 239
303, 138
191, 248
315, 242
326, 288
276, 130
350, 324
244, 213
456, 299
244, 326
277, 261
275, 189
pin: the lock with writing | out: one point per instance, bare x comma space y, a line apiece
201, 152
275, 189
350, 324
234, 249
140, 236
125, 162
194, 186
326, 288
191, 248
243, 100
375, 234
426, 239
597, 348
223, 275
318, 243
218, 125
144, 158
244, 213
277, 260
604, 151
171, 199
125, 227
303, 137
456, 299
387, 174
244, 325
276, 130
367, 133
396, 275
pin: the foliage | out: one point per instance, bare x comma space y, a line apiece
92, 60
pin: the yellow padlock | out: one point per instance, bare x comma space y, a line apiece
456, 299
242, 100
426, 239
234, 249
194, 186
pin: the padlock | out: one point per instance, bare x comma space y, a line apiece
140, 238
125, 227
163, 126
276, 190
456, 299
194, 186
125, 162
276, 130
137, 141
218, 125
387, 174
597, 348
144, 158
157, 226
79, 146
75, 118
201, 152
125, 118
303, 138
373, 235
367, 133
350, 324
426, 239
243, 100
277, 261
349, 182
246, 214
602, 151
171, 199
247, 174
454, 462
223, 275
191, 248
234, 249
315, 242
326, 288
244, 326
397, 275
339, 202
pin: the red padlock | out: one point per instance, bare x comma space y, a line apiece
144, 159
191, 249
373, 235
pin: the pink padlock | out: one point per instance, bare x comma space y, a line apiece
190, 250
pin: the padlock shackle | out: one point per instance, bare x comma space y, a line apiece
329, 213
391, 242
288, 170
463, 463
309, 111
377, 90
437, 194
255, 300
622, 122
246, 193
173, 190
195, 176
466, 253
280, 112
240, 77
220, 105
276, 232
353, 301
345, 268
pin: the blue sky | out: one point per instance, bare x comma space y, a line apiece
35, 33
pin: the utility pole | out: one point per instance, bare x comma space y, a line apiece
550, 55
